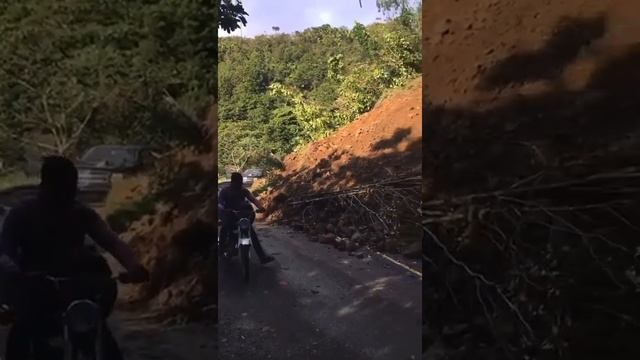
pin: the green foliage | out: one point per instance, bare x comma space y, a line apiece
12, 179
121, 219
285, 90
240, 143
232, 14
284, 130
362, 36
361, 89
315, 120
76, 73
391, 7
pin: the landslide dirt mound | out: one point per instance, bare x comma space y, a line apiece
382, 143
176, 239
517, 86
382, 146
530, 154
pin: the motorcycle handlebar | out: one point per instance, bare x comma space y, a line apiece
243, 211
127, 278
124, 277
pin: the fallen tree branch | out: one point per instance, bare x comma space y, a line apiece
320, 196
481, 278
630, 173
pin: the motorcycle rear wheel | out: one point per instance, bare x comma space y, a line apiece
244, 253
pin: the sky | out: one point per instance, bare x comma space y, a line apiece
297, 15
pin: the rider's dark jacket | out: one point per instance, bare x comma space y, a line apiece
39, 237
233, 199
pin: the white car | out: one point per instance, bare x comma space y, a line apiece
96, 166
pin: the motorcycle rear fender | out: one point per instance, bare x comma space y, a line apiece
244, 224
82, 316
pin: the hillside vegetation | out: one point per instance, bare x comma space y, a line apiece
279, 92
75, 74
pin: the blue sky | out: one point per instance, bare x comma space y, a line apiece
297, 15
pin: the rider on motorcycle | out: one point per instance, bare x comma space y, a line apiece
47, 235
237, 197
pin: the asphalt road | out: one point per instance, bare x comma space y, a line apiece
315, 302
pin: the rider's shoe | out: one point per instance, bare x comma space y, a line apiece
267, 259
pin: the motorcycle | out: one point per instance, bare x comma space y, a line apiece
239, 239
71, 313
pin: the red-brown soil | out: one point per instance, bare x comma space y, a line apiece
382, 144
517, 86
176, 241
544, 91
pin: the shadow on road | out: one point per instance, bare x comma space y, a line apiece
318, 304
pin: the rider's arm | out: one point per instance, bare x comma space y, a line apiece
255, 201
222, 199
102, 234
220, 203
9, 242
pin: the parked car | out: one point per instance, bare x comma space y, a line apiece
96, 165
116, 158
250, 175
94, 179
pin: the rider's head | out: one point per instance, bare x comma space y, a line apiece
59, 180
236, 180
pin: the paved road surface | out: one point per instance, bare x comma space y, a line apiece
315, 302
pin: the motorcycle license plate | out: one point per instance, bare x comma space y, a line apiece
245, 241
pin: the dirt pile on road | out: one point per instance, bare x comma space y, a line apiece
175, 233
383, 143
516, 87
530, 159
176, 247
360, 185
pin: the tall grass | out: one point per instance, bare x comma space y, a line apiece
17, 178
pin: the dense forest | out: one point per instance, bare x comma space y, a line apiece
76, 73
281, 91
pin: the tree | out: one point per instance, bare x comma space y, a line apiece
393, 6
241, 145
62, 117
284, 130
232, 14
76, 73
316, 80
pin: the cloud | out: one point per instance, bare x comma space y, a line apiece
325, 17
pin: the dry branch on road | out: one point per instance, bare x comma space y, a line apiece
536, 251
377, 215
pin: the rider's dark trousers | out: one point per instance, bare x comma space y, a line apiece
229, 218
33, 305
18, 345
